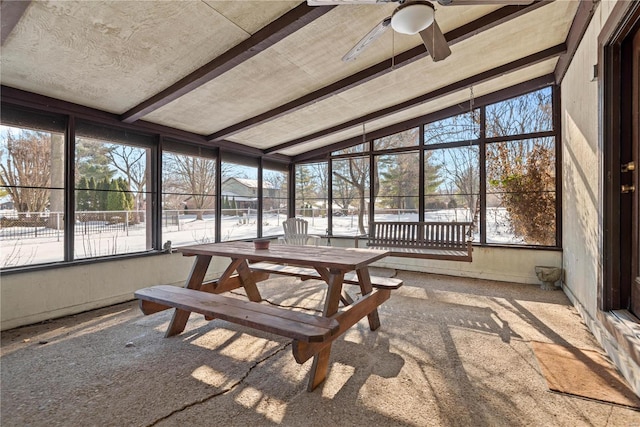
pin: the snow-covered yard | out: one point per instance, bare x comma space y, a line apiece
20, 246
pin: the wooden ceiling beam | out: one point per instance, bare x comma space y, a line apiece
581, 20
10, 14
430, 96
454, 36
271, 34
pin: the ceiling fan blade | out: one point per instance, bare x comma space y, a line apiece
336, 2
435, 42
482, 2
371, 36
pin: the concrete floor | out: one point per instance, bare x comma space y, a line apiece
450, 352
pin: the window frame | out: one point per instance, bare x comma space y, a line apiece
33, 104
342, 152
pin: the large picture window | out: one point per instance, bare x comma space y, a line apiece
493, 166
398, 187
452, 185
32, 159
311, 193
239, 200
351, 195
111, 191
188, 196
275, 200
521, 197
112, 175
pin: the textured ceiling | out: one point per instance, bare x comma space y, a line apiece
115, 55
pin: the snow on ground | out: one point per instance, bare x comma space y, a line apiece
185, 229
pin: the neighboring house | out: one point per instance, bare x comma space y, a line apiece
245, 192
6, 203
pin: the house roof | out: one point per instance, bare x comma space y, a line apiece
250, 183
267, 76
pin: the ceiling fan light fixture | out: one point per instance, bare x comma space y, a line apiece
412, 17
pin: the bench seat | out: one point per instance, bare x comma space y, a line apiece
287, 323
446, 254
310, 273
431, 240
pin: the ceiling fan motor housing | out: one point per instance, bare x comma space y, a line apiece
412, 17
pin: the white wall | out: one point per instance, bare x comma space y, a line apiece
582, 192
31, 297
504, 264
581, 161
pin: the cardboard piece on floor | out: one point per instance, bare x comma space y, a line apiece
584, 373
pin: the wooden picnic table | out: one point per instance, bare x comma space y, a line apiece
312, 335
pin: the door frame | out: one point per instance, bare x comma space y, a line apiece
614, 288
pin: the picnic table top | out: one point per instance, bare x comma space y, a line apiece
345, 259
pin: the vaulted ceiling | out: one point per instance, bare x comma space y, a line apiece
268, 74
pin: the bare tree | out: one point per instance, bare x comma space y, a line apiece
356, 173
56, 206
131, 161
344, 193
25, 169
320, 177
275, 188
195, 176
461, 166
523, 171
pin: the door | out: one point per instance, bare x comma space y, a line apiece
631, 178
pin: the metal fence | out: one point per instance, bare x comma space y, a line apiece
21, 225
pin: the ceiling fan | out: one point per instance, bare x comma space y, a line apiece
411, 17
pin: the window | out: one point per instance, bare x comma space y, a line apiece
452, 185
360, 148
275, 200
351, 194
495, 167
524, 114
463, 127
32, 194
311, 195
514, 203
521, 198
407, 138
398, 187
239, 199
112, 215
188, 196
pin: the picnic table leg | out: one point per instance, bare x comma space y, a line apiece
180, 317
365, 286
344, 296
226, 275
249, 283
321, 360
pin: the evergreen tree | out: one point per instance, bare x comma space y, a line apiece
116, 199
129, 197
93, 195
82, 195
305, 185
102, 194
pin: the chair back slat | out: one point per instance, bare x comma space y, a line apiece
295, 231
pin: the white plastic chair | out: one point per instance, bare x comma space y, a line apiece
296, 232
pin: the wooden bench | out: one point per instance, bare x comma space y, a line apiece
433, 240
287, 323
310, 273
